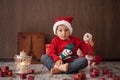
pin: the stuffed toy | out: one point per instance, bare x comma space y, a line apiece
90, 56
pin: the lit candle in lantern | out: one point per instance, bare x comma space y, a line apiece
23, 68
22, 63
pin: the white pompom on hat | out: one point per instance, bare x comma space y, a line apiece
65, 21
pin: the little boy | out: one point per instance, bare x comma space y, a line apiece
62, 56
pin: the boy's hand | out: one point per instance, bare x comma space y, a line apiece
91, 42
58, 63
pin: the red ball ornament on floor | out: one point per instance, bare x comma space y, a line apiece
23, 76
32, 71
105, 71
30, 78
5, 68
109, 74
79, 76
10, 73
94, 73
1, 74
116, 77
102, 79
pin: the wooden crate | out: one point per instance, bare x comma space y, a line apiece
33, 43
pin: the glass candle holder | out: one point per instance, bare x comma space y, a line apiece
22, 63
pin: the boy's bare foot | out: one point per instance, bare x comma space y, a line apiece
55, 71
63, 67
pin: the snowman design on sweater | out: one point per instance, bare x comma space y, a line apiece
67, 52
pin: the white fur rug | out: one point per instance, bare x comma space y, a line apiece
41, 72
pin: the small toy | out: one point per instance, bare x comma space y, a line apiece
87, 37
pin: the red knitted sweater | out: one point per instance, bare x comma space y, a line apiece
58, 45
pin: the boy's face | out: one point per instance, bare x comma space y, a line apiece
63, 32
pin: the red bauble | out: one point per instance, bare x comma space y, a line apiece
116, 77
109, 74
1, 74
105, 71
102, 79
23, 76
94, 73
79, 76
5, 72
30, 78
31, 71
5, 68
76, 77
10, 73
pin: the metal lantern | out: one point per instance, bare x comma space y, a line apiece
22, 63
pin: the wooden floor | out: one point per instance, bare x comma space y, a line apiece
41, 72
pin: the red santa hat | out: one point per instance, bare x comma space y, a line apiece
65, 21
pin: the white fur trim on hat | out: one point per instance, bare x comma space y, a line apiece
66, 23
